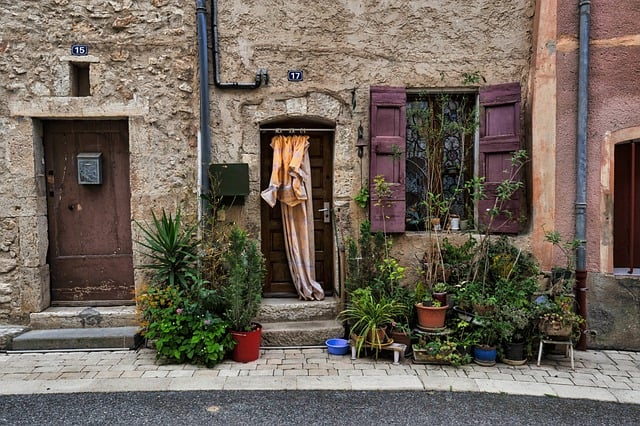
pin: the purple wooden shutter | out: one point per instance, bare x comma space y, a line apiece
499, 139
387, 156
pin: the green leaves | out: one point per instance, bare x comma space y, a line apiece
366, 314
178, 310
242, 291
362, 197
182, 330
172, 249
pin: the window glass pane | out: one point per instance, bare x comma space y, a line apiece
439, 153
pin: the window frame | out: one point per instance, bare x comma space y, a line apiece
498, 137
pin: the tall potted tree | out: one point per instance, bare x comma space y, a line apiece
242, 293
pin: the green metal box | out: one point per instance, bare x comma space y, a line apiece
231, 179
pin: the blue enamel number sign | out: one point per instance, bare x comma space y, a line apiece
79, 50
295, 75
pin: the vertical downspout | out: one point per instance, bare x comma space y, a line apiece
204, 151
581, 166
632, 197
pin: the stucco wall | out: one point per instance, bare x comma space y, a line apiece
612, 114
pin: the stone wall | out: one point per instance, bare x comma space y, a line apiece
143, 67
343, 50
613, 312
143, 58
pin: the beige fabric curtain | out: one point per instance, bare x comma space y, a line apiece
291, 184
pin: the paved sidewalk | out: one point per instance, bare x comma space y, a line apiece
599, 375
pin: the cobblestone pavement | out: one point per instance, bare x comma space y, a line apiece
598, 375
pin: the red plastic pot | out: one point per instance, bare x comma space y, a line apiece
247, 348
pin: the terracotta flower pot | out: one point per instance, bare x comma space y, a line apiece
431, 316
403, 338
377, 337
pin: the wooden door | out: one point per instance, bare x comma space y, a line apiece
626, 216
90, 249
278, 282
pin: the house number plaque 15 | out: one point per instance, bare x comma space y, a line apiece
79, 50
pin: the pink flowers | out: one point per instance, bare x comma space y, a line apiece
207, 322
179, 311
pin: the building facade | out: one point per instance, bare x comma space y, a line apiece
93, 141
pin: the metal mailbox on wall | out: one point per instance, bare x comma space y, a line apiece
230, 181
90, 168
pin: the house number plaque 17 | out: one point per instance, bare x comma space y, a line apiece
295, 75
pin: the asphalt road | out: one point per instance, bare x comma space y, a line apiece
308, 408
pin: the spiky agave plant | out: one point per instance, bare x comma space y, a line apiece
172, 248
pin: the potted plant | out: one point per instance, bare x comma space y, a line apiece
439, 292
557, 318
563, 277
401, 329
514, 324
241, 292
438, 350
369, 317
401, 333
431, 314
515, 315
462, 334
175, 309
486, 336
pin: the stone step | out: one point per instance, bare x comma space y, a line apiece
84, 317
8, 333
300, 333
279, 310
76, 338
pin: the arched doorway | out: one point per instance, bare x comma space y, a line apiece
278, 282
626, 226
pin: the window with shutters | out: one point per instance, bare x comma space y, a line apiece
427, 146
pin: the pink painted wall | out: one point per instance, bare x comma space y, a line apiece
614, 102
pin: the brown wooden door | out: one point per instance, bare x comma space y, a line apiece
90, 248
278, 281
626, 218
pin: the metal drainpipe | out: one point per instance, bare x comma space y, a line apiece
581, 157
204, 152
261, 74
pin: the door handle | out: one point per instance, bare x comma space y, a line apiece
326, 212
